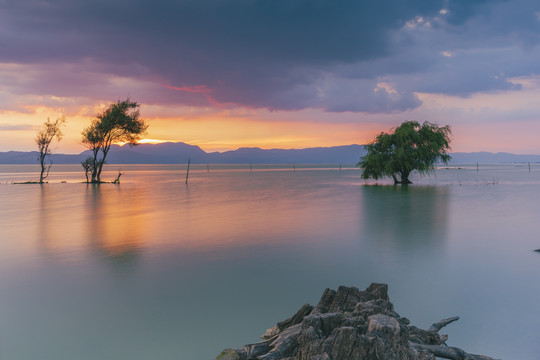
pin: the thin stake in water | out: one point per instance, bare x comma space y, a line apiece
187, 173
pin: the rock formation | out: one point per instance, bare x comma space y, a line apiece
349, 324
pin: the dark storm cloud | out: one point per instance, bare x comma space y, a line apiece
276, 54
311, 31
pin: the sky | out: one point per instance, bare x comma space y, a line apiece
224, 74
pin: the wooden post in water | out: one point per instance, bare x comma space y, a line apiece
294, 166
187, 173
250, 167
529, 166
339, 167
207, 168
476, 167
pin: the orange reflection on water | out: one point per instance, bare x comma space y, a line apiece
218, 210
115, 220
234, 213
100, 218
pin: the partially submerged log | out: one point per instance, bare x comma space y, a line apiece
117, 180
349, 324
448, 352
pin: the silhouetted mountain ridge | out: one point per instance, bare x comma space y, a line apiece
179, 153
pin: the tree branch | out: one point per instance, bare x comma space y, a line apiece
439, 325
443, 351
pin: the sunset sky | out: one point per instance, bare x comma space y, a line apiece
224, 74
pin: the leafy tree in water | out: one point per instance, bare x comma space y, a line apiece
120, 122
44, 138
410, 147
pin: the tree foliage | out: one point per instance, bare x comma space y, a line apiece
119, 123
410, 147
44, 138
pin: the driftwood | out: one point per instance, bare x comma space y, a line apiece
443, 351
448, 352
439, 325
349, 324
117, 181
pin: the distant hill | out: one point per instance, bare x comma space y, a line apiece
492, 158
179, 153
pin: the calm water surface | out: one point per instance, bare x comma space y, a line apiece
155, 269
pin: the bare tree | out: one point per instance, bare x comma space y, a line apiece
44, 138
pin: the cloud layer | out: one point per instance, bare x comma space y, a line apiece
338, 56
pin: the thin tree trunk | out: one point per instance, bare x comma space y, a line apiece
99, 167
104, 152
95, 152
42, 170
42, 157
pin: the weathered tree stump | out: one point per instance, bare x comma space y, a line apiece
349, 324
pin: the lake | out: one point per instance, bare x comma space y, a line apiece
155, 269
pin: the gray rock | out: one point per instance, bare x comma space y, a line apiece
348, 324
383, 324
346, 298
228, 354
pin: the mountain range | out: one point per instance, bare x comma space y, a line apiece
179, 153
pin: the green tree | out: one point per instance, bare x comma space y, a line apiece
44, 138
410, 147
119, 123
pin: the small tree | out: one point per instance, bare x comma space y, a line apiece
44, 138
410, 147
120, 122
92, 140
88, 166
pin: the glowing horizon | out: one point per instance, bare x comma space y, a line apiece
290, 130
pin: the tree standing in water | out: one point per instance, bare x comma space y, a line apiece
87, 165
410, 147
119, 123
44, 138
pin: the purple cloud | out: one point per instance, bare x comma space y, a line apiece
280, 55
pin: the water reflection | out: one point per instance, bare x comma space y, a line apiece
405, 217
44, 228
57, 226
114, 223
152, 254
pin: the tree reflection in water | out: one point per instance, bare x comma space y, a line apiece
115, 224
405, 216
